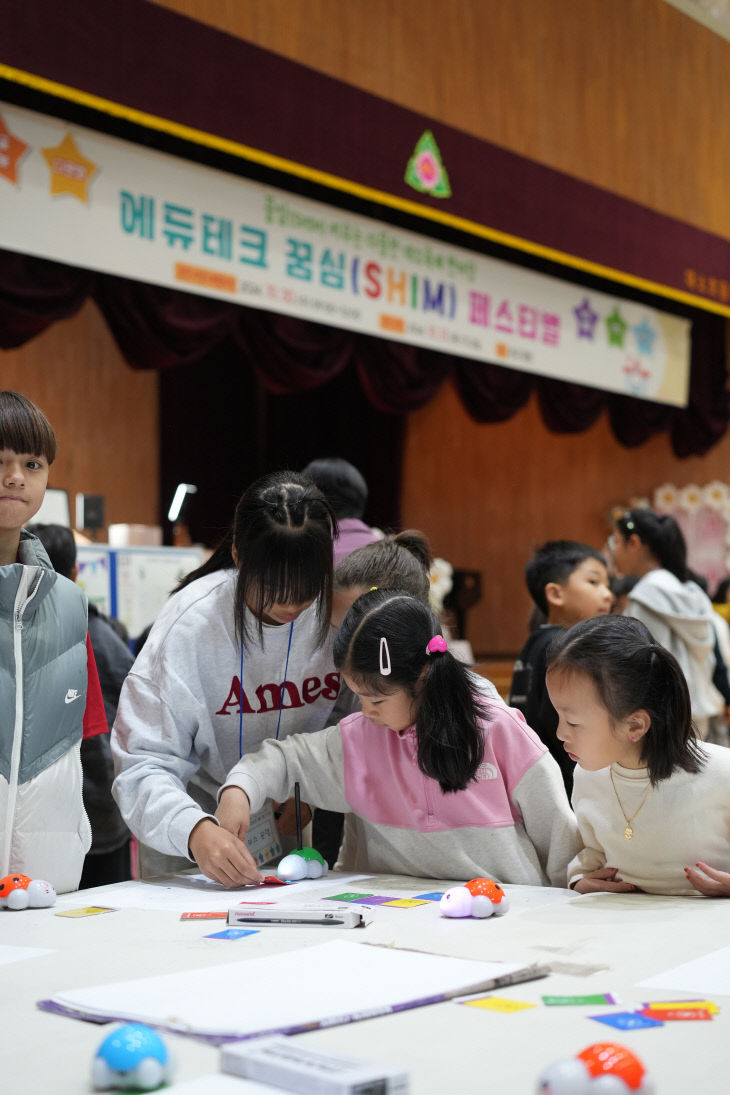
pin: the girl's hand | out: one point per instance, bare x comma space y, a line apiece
222, 856
602, 881
234, 811
286, 817
708, 880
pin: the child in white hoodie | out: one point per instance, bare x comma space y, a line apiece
241, 652
674, 609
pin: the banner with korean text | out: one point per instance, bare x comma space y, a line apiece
90, 200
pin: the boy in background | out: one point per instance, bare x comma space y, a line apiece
345, 489
49, 689
568, 582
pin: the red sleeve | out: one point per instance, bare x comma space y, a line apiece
94, 715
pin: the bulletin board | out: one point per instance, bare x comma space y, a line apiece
133, 583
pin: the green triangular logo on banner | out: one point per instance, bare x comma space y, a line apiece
426, 171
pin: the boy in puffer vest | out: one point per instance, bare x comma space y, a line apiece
49, 689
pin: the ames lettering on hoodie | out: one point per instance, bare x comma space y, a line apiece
271, 697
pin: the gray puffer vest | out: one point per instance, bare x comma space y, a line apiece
44, 830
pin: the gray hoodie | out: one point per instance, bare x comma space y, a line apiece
679, 617
185, 717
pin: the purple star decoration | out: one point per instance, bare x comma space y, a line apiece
587, 319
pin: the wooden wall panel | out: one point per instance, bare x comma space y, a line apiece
488, 494
103, 412
631, 96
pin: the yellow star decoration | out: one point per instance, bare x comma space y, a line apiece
71, 172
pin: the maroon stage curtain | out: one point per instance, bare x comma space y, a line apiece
158, 328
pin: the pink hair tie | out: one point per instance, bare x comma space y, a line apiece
437, 645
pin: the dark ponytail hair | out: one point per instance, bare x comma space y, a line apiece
449, 738
631, 672
661, 534
399, 562
282, 532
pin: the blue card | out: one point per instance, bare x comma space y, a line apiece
233, 933
627, 1020
436, 896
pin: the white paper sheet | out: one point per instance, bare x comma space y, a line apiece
196, 893
330, 983
19, 954
217, 1083
706, 976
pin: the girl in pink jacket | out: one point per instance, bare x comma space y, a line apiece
436, 777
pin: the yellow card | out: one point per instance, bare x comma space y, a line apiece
672, 1005
498, 1003
405, 902
89, 910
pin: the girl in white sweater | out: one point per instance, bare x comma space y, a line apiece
651, 800
240, 653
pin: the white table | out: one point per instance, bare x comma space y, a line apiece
599, 943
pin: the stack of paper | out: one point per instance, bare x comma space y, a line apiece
337, 982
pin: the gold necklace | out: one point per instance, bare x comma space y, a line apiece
628, 831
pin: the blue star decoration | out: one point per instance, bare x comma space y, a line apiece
616, 327
644, 335
587, 319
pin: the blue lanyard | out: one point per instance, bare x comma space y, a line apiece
281, 694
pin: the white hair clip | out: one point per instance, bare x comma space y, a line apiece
384, 657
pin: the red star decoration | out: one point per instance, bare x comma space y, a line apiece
11, 151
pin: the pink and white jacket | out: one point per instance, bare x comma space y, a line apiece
512, 823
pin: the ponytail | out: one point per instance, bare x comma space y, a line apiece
450, 705
662, 536
450, 739
398, 562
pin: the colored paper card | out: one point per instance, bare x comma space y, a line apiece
349, 897
88, 910
204, 916
660, 1005
372, 899
436, 896
596, 998
232, 933
272, 880
404, 902
673, 1014
626, 1020
497, 1003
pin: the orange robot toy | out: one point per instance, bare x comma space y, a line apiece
17, 891
480, 897
602, 1069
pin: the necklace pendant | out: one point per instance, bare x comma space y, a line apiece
628, 832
